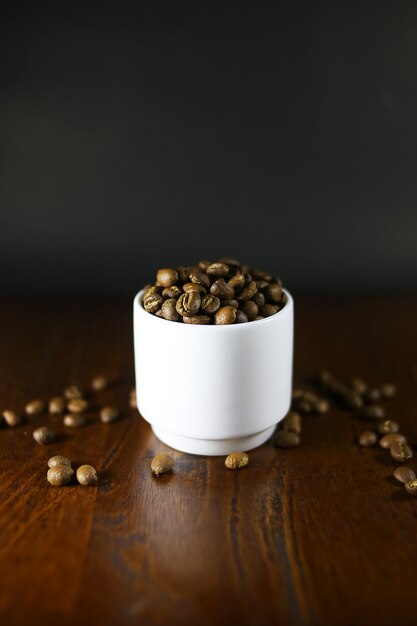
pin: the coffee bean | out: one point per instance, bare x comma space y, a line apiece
404, 474
188, 303
188, 287
237, 281
58, 460
324, 378
203, 265
320, 406
43, 435
161, 463
201, 278
78, 405
225, 315
358, 385
222, 290
196, 319
56, 405
268, 309
258, 299
152, 290
210, 304
218, 269
373, 412
172, 292
132, 399
411, 487
274, 292
12, 418
400, 451
153, 303
74, 420
388, 390
372, 395
303, 406
184, 273
236, 460
293, 422
261, 284
72, 392
109, 414
310, 396
297, 394
388, 440
35, 407
367, 438
351, 400
60, 475
248, 292
167, 277
250, 309
87, 475
260, 275
387, 427
259, 317
159, 314
241, 318
99, 383
286, 439
169, 311
230, 261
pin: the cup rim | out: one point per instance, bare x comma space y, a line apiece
286, 310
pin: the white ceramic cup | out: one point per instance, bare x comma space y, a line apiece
213, 389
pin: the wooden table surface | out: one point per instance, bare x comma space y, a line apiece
319, 535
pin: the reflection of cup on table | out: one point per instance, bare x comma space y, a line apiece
213, 389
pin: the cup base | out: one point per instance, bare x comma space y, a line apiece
213, 447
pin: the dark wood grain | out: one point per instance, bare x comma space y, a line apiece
321, 534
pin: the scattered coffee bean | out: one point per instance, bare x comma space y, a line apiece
35, 407
87, 475
293, 422
388, 426
72, 392
167, 277
372, 395
358, 385
74, 420
58, 460
109, 414
286, 439
320, 406
78, 405
56, 405
43, 435
400, 451
411, 487
161, 463
12, 418
99, 383
60, 475
367, 438
373, 412
351, 400
169, 311
236, 460
225, 315
196, 319
404, 474
388, 440
388, 390
303, 406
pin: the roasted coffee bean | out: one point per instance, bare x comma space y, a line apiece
99, 383
60, 475
388, 440
196, 319
87, 475
222, 290
293, 422
250, 309
74, 420
201, 278
172, 292
388, 390
12, 418
404, 474
58, 460
188, 304
274, 292
230, 261
225, 315
259, 275
372, 395
261, 284
259, 317
241, 317
373, 412
161, 463
258, 299
153, 303
303, 406
35, 407
72, 392
218, 269
268, 309
43, 435
324, 378
351, 400
388, 426
284, 299
188, 287
400, 451
236, 460
248, 292
411, 487
132, 399
184, 273
150, 291
297, 393
169, 311
167, 277
203, 265
320, 406
358, 385
286, 439
237, 281
210, 304
56, 405
231, 302
78, 405
310, 396
159, 314
109, 414
367, 438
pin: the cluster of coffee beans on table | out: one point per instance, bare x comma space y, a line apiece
224, 292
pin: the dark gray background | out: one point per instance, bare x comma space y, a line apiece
284, 134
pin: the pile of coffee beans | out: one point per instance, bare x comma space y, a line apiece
60, 472
224, 292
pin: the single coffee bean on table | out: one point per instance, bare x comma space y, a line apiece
388, 426
286, 439
109, 414
60, 475
43, 435
400, 451
56, 405
99, 383
293, 422
72, 392
161, 463
388, 390
87, 475
373, 412
367, 438
12, 418
404, 474
74, 420
388, 440
236, 460
35, 407
78, 405
58, 459
411, 487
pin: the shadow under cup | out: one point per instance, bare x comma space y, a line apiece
213, 389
